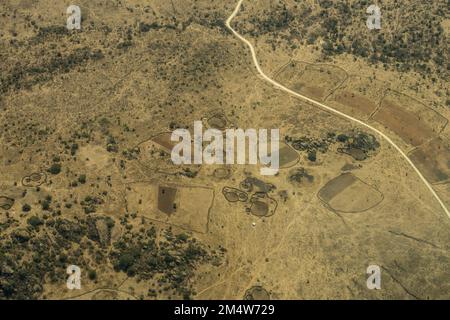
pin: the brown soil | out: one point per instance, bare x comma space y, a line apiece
410, 120
433, 160
166, 199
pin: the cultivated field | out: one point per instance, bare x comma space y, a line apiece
86, 176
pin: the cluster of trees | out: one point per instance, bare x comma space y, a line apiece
310, 145
352, 140
30, 73
411, 37
39, 253
170, 259
359, 140
28, 258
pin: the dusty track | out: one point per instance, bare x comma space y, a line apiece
325, 107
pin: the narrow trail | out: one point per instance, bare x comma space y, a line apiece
325, 107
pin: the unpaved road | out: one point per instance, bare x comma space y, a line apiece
321, 105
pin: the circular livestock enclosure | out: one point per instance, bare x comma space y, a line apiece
34, 179
257, 293
234, 195
261, 205
6, 203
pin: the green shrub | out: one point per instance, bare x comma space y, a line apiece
82, 179
35, 221
312, 156
55, 169
92, 275
126, 260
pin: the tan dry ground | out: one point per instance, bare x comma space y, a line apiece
433, 159
181, 206
303, 250
314, 81
348, 194
358, 96
414, 122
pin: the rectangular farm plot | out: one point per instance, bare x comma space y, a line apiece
318, 82
166, 199
164, 140
288, 156
358, 96
155, 155
411, 120
348, 194
336, 186
314, 81
433, 160
293, 70
181, 206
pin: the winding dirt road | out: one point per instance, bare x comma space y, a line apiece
325, 107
